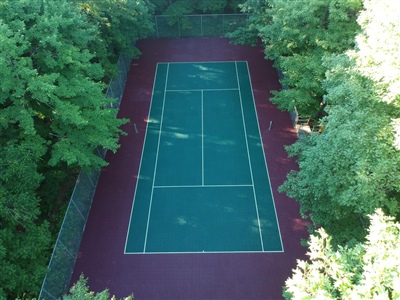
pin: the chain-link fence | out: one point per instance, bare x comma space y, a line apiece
65, 251
117, 85
198, 25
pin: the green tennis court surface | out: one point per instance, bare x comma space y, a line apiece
203, 182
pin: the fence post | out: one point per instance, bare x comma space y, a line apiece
201, 25
155, 18
122, 61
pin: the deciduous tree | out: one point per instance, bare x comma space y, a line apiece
52, 112
119, 25
297, 35
348, 170
52, 85
80, 291
369, 270
351, 168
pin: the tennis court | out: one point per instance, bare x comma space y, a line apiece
203, 183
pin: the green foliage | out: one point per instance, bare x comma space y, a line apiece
53, 115
303, 75
369, 270
249, 34
351, 168
377, 59
23, 240
177, 12
213, 7
80, 291
119, 24
24, 258
234, 6
55, 192
244, 36
182, 17
258, 18
159, 6
297, 35
174, 7
378, 47
53, 89
347, 172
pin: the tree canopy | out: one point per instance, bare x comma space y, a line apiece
54, 56
297, 35
80, 291
350, 169
369, 270
339, 64
337, 70
184, 7
119, 24
340, 67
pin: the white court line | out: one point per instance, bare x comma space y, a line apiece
202, 186
201, 252
141, 159
248, 156
265, 161
194, 186
202, 62
200, 90
156, 162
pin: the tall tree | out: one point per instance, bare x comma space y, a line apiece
378, 47
351, 168
80, 291
53, 83
24, 240
297, 35
213, 7
369, 270
234, 6
348, 170
160, 6
52, 112
119, 25
259, 16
